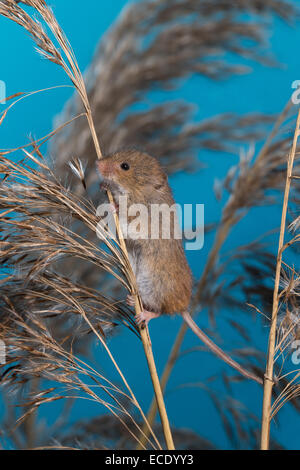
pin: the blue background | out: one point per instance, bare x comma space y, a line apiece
264, 90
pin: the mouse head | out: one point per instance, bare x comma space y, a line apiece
132, 172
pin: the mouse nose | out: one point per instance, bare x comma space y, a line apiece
102, 167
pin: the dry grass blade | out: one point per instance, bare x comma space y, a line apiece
35, 353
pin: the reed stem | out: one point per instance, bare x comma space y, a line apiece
268, 378
163, 383
144, 332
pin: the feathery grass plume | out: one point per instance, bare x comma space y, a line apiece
68, 62
104, 432
157, 46
240, 424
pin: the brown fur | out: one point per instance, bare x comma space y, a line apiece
163, 277
162, 259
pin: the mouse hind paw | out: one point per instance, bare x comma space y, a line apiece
145, 316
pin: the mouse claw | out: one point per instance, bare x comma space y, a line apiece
141, 322
113, 208
139, 318
130, 300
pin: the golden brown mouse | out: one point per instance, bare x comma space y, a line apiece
162, 273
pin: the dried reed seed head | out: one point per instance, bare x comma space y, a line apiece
177, 49
34, 240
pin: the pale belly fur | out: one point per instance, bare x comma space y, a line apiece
145, 285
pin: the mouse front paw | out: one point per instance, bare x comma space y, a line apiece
130, 300
104, 186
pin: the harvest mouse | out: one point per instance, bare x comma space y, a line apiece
159, 263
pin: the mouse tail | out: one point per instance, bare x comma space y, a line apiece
218, 351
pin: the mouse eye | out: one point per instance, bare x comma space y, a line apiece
125, 166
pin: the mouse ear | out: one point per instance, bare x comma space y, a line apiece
161, 181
